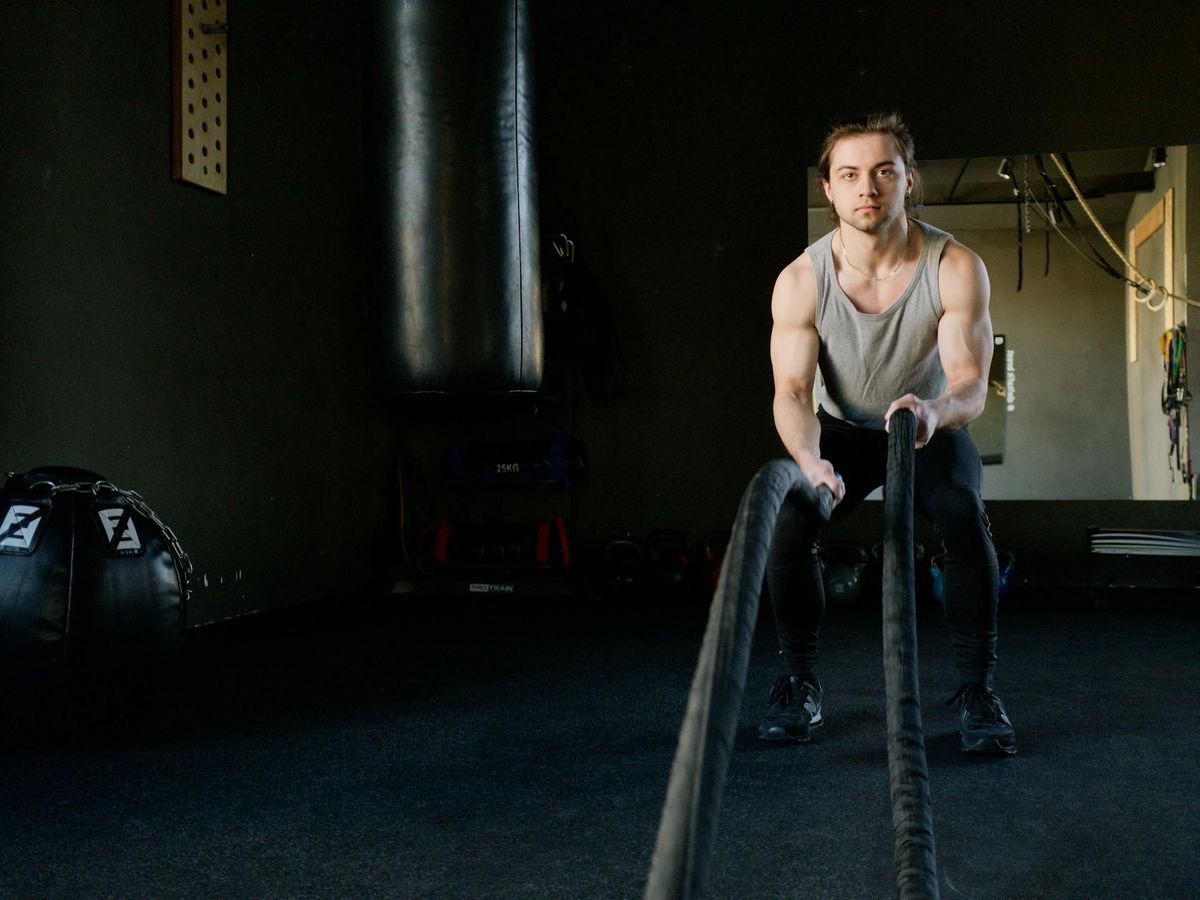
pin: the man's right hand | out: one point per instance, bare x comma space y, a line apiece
821, 472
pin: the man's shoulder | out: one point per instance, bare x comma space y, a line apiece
811, 262
798, 275
795, 290
798, 266
962, 277
959, 260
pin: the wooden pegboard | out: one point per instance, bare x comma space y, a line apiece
200, 95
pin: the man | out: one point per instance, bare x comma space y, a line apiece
894, 313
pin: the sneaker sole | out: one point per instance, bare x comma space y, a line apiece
778, 734
990, 747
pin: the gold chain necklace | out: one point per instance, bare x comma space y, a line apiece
867, 275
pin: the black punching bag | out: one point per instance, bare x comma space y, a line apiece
454, 299
91, 580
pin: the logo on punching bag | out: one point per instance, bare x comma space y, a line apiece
122, 537
19, 531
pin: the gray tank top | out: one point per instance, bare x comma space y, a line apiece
867, 361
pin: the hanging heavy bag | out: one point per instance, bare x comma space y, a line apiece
91, 580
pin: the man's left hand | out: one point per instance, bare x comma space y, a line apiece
922, 410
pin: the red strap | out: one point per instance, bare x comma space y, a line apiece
441, 543
543, 543
562, 537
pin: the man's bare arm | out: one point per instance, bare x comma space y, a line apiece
964, 344
795, 347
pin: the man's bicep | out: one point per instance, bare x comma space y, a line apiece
794, 341
965, 344
794, 349
965, 330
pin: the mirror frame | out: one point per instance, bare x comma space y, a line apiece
1161, 216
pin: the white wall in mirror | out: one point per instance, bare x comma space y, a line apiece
1068, 427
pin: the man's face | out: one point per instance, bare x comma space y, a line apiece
867, 181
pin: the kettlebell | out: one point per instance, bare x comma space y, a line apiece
842, 566
712, 556
1007, 563
623, 561
665, 557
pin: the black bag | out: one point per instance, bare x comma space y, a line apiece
90, 578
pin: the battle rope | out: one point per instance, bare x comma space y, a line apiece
682, 858
687, 830
908, 776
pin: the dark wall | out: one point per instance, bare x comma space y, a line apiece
210, 351
206, 351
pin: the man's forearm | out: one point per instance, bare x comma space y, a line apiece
960, 404
798, 428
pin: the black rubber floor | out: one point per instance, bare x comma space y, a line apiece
433, 747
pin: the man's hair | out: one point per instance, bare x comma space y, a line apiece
889, 123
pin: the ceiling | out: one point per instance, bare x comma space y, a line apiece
966, 194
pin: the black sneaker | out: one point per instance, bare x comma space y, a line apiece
794, 710
982, 720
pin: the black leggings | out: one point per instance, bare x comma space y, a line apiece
946, 490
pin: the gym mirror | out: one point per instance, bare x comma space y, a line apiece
1075, 402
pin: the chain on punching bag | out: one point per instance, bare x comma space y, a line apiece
454, 297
